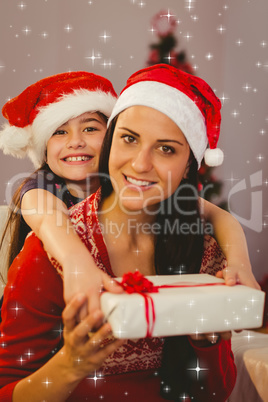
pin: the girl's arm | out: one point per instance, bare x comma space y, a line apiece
231, 238
79, 356
48, 217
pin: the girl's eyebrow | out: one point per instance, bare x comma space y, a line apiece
84, 120
162, 141
89, 119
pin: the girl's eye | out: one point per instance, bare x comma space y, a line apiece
90, 129
60, 132
167, 149
129, 139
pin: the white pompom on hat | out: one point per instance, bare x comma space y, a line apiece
36, 113
187, 100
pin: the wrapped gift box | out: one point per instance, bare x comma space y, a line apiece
184, 310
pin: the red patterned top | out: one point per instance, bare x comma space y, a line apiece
31, 328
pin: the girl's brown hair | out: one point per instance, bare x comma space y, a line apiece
15, 230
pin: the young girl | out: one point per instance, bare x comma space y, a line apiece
152, 157
59, 122
65, 116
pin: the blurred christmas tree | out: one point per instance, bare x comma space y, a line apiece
164, 25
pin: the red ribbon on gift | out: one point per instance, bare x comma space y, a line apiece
137, 283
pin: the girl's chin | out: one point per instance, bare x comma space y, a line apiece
76, 179
82, 176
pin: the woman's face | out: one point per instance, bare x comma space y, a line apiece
73, 150
148, 159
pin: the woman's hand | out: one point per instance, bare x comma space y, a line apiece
203, 340
82, 354
87, 343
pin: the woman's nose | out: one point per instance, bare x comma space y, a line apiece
142, 162
75, 140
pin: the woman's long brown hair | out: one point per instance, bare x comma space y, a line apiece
174, 253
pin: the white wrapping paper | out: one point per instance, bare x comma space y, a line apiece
187, 310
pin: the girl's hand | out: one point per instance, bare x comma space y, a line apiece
89, 280
203, 340
237, 274
86, 344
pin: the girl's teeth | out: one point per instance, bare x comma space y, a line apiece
77, 158
138, 182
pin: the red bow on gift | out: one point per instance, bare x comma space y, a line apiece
137, 283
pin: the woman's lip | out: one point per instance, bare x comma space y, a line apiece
137, 186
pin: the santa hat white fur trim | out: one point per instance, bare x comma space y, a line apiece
173, 103
15, 140
32, 139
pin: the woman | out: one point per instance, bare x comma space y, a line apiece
152, 179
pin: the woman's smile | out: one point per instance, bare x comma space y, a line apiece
138, 184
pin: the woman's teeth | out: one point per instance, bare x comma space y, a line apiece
77, 158
139, 182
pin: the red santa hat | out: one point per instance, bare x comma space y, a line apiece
36, 113
187, 100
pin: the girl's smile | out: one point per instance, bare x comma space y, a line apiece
75, 159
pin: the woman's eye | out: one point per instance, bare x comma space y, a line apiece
167, 150
59, 132
129, 139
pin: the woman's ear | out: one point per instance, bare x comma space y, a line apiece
185, 174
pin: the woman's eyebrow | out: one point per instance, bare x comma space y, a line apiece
162, 141
130, 131
177, 142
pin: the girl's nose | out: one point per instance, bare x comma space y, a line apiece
76, 140
142, 162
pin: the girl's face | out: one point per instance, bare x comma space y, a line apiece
149, 157
73, 150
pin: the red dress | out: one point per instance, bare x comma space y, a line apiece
31, 329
